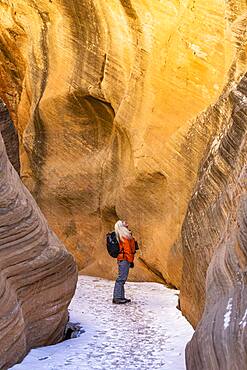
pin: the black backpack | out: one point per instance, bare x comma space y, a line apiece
112, 244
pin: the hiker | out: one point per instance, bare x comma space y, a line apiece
125, 259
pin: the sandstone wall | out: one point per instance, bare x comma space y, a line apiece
37, 274
10, 137
104, 94
137, 110
213, 292
215, 248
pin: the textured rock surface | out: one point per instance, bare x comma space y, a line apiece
214, 231
102, 93
107, 98
37, 274
10, 136
215, 247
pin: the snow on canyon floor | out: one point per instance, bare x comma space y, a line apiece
148, 333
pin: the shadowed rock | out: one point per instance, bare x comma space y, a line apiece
10, 136
126, 110
215, 248
37, 274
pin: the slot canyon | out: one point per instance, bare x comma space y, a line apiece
133, 110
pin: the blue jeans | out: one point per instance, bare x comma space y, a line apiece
123, 271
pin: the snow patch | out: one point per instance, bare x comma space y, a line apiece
216, 143
243, 322
148, 333
227, 316
241, 96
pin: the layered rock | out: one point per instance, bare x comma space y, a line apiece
213, 290
107, 99
215, 248
38, 275
10, 136
104, 93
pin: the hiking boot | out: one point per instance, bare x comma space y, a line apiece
120, 300
127, 300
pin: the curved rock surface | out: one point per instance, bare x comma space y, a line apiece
215, 247
132, 109
103, 93
37, 274
10, 137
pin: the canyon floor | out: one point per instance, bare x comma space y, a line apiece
148, 333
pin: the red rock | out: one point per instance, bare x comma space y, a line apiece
38, 275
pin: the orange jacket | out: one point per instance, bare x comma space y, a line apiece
127, 247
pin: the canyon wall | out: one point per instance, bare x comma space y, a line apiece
10, 137
104, 96
137, 110
213, 290
38, 276
215, 247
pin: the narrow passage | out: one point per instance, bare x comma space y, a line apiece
148, 333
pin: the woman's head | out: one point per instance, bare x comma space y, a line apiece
122, 231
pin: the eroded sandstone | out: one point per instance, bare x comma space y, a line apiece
10, 137
213, 291
103, 94
135, 110
37, 274
215, 247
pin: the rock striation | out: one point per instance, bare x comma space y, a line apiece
37, 274
103, 95
213, 289
137, 110
215, 248
10, 137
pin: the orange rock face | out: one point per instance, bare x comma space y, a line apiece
38, 276
215, 247
136, 110
103, 94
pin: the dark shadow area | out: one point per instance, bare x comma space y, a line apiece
73, 330
10, 136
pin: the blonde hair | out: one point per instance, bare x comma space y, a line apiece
122, 232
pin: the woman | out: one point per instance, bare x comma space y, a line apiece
125, 260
